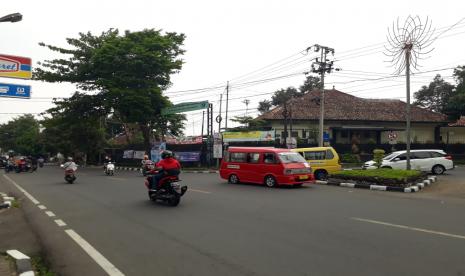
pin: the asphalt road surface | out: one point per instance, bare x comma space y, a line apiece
224, 229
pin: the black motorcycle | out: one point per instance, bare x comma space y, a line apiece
170, 190
9, 168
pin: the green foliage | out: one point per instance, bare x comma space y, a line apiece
435, 96
129, 72
264, 106
248, 123
310, 83
41, 266
21, 135
349, 158
378, 155
380, 176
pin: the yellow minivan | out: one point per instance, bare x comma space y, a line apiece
322, 160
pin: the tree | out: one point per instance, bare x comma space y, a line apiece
435, 96
310, 83
76, 125
129, 71
248, 123
456, 104
21, 135
264, 106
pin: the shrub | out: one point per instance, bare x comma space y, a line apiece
350, 158
381, 176
378, 155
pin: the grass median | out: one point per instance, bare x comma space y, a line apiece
388, 177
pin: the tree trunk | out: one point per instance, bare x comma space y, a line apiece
145, 129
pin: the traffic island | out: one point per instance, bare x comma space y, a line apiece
381, 180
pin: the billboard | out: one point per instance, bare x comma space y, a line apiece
245, 136
15, 67
15, 90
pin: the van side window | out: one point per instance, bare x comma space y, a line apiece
315, 155
253, 157
239, 157
329, 155
269, 158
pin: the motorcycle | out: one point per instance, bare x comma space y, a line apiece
23, 168
170, 190
9, 168
147, 167
70, 176
40, 161
110, 168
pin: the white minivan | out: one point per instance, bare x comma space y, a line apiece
435, 161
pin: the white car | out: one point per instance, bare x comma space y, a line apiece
435, 161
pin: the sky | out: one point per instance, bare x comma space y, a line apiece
257, 45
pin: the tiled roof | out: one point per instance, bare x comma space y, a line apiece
342, 106
460, 122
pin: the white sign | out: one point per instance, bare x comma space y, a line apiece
392, 135
217, 151
291, 142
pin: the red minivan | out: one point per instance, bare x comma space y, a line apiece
268, 166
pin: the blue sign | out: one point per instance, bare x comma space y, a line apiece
188, 156
326, 136
15, 90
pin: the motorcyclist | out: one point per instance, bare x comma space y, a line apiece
33, 161
145, 160
168, 166
70, 165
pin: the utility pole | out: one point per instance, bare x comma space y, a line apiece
407, 74
227, 105
246, 102
322, 66
218, 118
203, 122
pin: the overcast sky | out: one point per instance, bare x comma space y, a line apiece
231, 40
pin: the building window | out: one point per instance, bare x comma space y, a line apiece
304, 134
295, 134
344, 134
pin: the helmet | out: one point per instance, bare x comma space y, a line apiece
166, 154
70, 158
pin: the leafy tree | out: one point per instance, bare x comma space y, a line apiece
310, 83
264, 106
76, 125
21, 135
435, 96
128, 71
456, 104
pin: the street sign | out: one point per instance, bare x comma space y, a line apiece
392, 135
184, 107
15, 90
325, 136
15, 67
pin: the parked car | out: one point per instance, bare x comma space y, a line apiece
435, 161
268, 166
323, 160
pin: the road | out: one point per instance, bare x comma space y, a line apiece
224, 229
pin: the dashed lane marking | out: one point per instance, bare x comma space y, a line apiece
60, 223
50, 213
41, 207
200, 191
411, 228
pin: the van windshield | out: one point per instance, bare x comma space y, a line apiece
291, 157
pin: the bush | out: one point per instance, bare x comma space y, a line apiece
378, 155
381, 176
350, 158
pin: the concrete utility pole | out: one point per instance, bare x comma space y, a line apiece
407, 75
322, 66
227, 105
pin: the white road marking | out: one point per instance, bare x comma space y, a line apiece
411, 228
89, 249
41, 207
118, 178
94, 254
50, 213
200, 191
60, 223
35, 201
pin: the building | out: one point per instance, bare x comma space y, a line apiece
454, 133
350, 119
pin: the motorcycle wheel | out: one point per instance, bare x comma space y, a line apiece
69, 179
174, 201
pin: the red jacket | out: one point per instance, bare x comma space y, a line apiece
169, 164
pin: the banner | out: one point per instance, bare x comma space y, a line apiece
249, 136
15, 67
188, 156
157, 149
191, 140
128, 154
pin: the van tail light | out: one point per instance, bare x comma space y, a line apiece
448, 157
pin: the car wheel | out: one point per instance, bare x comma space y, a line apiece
438, 169
270, 181
321, 175
233, 179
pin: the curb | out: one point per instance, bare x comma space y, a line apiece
414, 188
6, 201
184, 171
23, 262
